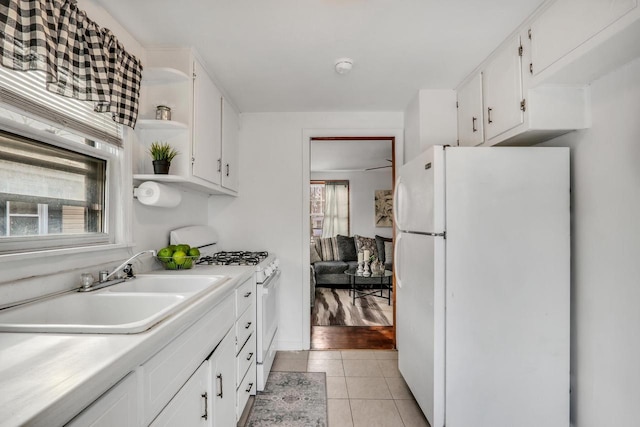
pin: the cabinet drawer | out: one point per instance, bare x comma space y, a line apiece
247, 388
245, 295
244, 327
246, 358
168, 370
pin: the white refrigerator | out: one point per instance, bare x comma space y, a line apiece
482, 279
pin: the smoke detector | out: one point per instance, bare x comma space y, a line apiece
344, 65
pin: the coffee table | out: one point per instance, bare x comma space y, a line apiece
360, 291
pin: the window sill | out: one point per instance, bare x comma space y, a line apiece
48, 253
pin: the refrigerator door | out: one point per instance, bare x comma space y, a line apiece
507, 279
420, 320
419, 184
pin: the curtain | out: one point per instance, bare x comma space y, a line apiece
336, 209
81, 60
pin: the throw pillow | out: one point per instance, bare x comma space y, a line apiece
366, 243
328, 249
315, 257
346, 248
388, 252
380, 241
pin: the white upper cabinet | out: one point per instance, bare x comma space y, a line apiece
175, 77
207, 126
470, 117
230, 140
502, 81
568, 24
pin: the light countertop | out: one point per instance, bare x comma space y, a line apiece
47, 378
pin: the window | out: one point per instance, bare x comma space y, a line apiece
329, 209
49, 194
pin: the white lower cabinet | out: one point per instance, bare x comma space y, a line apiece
190, 407
222, 380
117, 407
202, 377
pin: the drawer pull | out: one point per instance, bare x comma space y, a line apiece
249, 356
489, 110
247, 295
219, 378
248, 325
248, 390
473, 124
206, 404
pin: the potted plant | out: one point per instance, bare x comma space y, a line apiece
162, 153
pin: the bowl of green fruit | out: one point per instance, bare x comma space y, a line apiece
178, 257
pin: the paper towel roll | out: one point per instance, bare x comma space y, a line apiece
160, 195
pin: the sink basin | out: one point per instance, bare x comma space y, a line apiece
163, 284
90, 313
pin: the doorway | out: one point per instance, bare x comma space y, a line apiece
361, 164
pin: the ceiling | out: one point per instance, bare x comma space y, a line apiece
350, 156
279, 55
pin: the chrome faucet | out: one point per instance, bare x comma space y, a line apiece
125, 266
103, 279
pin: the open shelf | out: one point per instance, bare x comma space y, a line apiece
184, 183
156, 75
152, 124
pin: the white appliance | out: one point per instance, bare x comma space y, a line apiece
482, 264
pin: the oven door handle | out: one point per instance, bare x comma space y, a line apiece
269, 282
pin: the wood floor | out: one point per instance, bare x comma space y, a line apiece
352, 337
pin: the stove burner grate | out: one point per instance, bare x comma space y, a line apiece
234, 258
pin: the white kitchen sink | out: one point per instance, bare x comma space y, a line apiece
183, 285
130, 307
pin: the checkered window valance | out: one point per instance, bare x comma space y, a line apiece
80, 59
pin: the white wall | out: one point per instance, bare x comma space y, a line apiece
268, 214
605, 343
430, 119
362, 187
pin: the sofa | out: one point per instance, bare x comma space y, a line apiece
332, 256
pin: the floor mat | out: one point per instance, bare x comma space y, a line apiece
334, 307
291, 399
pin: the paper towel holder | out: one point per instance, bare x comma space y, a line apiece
149, 189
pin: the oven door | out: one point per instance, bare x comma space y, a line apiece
268, 316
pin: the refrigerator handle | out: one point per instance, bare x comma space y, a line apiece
397, 212
397, 260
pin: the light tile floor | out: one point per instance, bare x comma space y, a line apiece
364, 387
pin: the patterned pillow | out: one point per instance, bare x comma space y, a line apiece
366, 243
328, 248
315, 256
380, 241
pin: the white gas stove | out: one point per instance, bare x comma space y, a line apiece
267, 277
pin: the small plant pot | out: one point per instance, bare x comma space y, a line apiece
161, 167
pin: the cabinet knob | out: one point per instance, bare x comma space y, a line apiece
248, 325
249, 356
247, 295
248, 390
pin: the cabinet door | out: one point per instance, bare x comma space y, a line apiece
567, 24
207, 127
470, 122
230, 136
117, 407
222, 370
502, 90
190, 407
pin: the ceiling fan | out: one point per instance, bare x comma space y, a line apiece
380, 167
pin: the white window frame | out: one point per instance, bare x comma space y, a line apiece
114, 200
